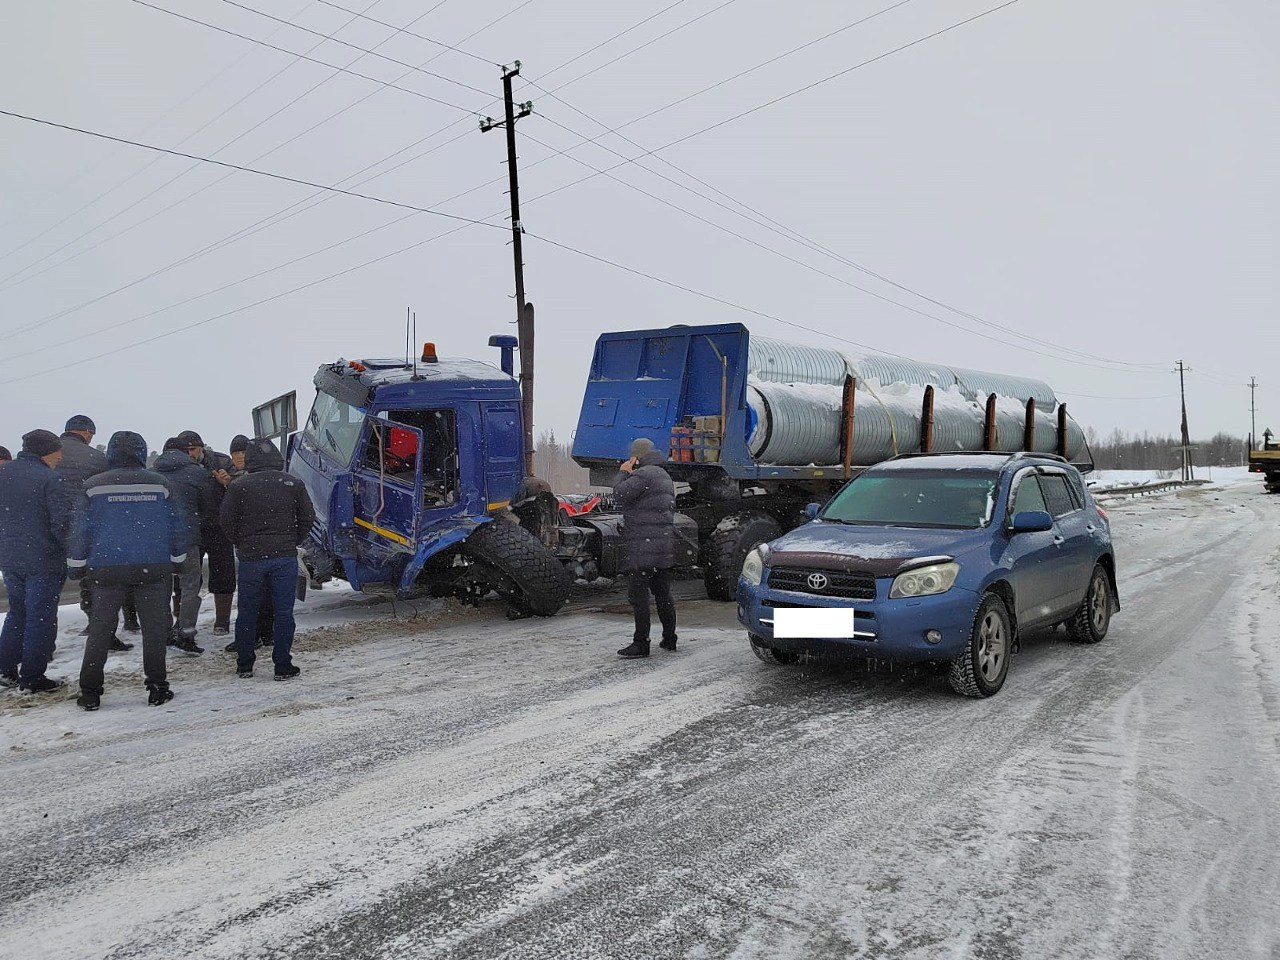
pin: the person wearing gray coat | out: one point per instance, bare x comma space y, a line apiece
646, 494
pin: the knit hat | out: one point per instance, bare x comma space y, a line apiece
189, 439
81, 422
640, 446
239, 443
41, 443
5, 454
173, 443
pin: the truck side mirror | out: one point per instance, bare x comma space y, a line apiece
811, 511
1031, 521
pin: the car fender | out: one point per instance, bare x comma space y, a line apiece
433, 544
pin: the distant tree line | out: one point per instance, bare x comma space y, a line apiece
553, 463
1123, 451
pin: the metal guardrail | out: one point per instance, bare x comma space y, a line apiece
1143, 489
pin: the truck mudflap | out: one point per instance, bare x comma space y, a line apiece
431, 545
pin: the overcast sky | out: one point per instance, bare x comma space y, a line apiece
1097, 174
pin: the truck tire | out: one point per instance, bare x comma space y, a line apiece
981, 670
768, 654
522, 559
1092, 620
727, 547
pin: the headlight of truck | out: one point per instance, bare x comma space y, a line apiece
924, 581
753, 566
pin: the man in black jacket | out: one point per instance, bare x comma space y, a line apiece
80, 461
192, 490
267, 513
646, 495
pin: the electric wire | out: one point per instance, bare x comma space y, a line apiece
150, 126
10, 281
239, 167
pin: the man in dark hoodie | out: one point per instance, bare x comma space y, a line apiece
80, 461
190, 486
267, 513
646, 495
34, 512
128, 535
213, 542
5, 456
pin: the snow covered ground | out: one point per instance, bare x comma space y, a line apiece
442, 783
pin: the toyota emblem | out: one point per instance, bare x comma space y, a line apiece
817, 582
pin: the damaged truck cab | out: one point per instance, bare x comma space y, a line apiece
411, 468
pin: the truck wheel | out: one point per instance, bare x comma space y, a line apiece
981, 670
540, 582
727, 547
1092, 620
770, 654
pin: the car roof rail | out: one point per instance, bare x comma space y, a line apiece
953, 453
1027, 454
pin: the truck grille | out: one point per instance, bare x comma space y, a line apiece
824, 583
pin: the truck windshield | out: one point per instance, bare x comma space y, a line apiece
335, 427
915, 499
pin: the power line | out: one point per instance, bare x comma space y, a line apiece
438, 43
265, 223
153, 124
182, 173
238, 167
380, 56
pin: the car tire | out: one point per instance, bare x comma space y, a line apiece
771, 655
981, 670
1093, 619
727, 547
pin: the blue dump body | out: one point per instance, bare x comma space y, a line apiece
402, 463
643, 383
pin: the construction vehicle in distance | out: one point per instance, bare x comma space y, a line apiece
416, 468
1266, 461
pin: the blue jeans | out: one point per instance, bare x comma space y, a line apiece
31, 626
277, 580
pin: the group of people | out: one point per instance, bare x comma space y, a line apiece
137, 538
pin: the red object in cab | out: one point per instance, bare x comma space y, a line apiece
403, 444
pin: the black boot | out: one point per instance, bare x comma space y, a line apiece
637, 650
89, 700
668, 644
287, 672
158, 694
118, 646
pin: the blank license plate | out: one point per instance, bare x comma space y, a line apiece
813, 623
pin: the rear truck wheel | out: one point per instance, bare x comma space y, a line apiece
981, 670
1092, 620
768, 654
518, 566
727, 547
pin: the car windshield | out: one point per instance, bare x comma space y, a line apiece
335, 427
903, 498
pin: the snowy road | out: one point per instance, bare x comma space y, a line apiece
464, 787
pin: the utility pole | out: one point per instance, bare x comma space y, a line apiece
1253, 410
1188, 472
524, 312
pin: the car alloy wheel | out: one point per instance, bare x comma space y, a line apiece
993, 646
1099, 602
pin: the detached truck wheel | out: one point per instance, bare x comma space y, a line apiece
730, 542
523, 560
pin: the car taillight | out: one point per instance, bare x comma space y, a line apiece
1103, 514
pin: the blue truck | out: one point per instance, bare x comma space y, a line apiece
416, 468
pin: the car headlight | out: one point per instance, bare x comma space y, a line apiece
753, 565
924, 581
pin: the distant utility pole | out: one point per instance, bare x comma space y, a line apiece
524, 312
1253, 410
1188, 472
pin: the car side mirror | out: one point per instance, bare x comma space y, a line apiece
811, 511
1031, 521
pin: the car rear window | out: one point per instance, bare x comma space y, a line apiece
1057, 495
915, 499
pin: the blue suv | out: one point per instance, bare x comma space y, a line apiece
937, 557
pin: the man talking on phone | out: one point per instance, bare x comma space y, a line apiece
646, 494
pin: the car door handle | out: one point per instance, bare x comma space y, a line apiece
1091, 528
1059, 540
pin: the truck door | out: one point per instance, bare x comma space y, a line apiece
388, 484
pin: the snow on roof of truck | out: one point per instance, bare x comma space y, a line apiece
992, 461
